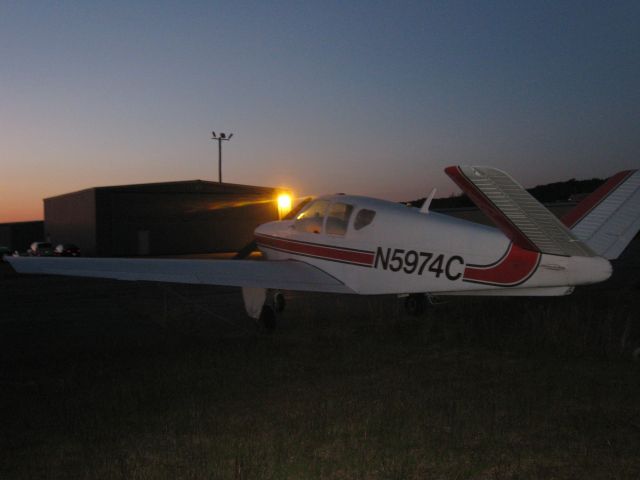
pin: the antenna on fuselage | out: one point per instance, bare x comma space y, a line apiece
425, 206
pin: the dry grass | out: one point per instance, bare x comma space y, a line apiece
140, 381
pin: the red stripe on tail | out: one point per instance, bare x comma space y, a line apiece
572, 218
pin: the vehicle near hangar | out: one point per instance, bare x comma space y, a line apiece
40, 249
66, 250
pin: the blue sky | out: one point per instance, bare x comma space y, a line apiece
371, 98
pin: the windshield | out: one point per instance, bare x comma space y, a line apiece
311, 218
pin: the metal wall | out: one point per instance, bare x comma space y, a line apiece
160, 219
70, 218
142, 223
19, 235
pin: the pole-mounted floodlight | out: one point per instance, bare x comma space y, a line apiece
220, 138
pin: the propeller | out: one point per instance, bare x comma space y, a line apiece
251, 247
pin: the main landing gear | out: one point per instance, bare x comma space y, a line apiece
277, 298
268, 318
415, 304
274, 304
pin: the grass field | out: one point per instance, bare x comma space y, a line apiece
103, 379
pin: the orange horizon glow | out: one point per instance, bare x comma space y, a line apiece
20, 207
22, 213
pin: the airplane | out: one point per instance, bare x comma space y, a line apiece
358, 245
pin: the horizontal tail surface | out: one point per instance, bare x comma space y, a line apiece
609, 218
520, 216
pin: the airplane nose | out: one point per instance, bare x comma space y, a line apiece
271, 228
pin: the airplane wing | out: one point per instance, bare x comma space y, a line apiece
521, 217
274, 274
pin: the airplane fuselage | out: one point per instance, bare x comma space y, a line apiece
374, 247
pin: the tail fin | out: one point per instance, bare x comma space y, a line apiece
520, 216
609, 218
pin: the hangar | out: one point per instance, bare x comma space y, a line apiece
184, 217
19, 235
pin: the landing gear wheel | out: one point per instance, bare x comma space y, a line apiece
268, 318
279, 302
415, 304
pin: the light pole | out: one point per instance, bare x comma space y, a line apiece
220, 138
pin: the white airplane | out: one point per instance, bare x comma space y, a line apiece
358, 245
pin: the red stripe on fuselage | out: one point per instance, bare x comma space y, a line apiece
514, 268
337, 254
581, 210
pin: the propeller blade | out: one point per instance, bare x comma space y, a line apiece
245, 251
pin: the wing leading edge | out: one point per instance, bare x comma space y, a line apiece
281, 274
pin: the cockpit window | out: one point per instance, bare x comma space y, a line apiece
338, 218
363, 218
310, 220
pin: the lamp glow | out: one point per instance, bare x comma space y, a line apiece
284, 204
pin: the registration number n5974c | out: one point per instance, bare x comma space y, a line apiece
414, 262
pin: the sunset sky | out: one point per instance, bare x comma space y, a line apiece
364, 97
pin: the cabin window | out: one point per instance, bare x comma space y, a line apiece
338, 218
310, 220
363, 218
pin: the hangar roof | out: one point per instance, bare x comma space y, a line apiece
187, 186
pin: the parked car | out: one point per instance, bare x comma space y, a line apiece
40, 249
67, 250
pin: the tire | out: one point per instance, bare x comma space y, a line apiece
268, 318
279, 302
